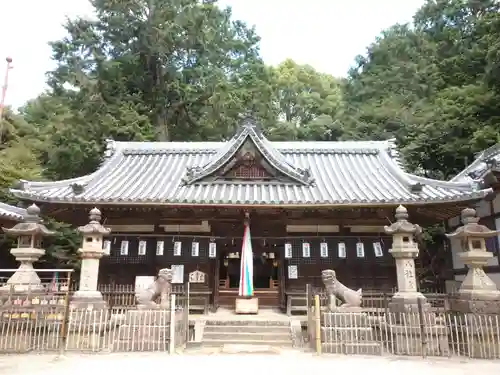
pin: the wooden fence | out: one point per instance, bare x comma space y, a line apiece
426, 332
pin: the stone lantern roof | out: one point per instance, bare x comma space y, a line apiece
94, 226
402, 225
471, 227
31, 225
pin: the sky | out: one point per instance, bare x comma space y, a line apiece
326, 34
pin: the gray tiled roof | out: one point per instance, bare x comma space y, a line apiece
321, 173
479, 167
11, 212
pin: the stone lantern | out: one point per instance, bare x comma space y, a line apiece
29, 235
91, 252
405, 250
477, 293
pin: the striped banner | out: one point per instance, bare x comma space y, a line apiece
54, 284
246, 267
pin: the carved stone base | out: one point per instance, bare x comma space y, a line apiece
88, 300
348, 333
477, 326
346, 309
465, 305
144, 330
25, 279
411, 339
478, 334
247, 306
407, 303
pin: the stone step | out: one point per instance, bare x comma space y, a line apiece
349, 334
263, 336
249, 349
141, 346
347, 329
250, 321
236, 341
247, 328
352, 348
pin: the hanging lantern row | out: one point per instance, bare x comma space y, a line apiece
341, 250
212, 249
160, 247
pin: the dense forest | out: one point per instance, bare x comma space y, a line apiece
185, 70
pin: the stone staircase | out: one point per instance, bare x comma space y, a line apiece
247, 333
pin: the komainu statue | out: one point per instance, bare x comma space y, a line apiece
161, 287
335, 289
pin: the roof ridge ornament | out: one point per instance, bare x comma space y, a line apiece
248, 123
110, 147
78, 188
249, 129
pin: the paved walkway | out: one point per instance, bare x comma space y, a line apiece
288, 363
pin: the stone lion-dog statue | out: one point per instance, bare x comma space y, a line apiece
350, 298
161, 287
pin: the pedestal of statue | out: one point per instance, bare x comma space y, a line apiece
145, 330
88, 300
348, 330
247, 305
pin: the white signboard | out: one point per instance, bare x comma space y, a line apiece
212, 250
195, 249
360, 250
197, 277
293, 272
124, 248
306, 250
323, 250
159, 248
143, 282
142, 248
177, 248
342, 250
106, 246
377, 249
177, 273
288, 250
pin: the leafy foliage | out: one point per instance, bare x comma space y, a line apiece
61, 248
429, 82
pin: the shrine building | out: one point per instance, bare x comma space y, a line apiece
312, 205
485, 170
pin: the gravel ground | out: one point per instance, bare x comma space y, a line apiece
286, 363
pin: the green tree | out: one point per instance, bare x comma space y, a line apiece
306, 103
145, 70
431, 85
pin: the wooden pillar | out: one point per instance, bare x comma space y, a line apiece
216, 282
281, 277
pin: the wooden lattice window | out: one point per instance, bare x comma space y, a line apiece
248, 171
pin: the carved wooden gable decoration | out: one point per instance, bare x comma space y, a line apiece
248, 164
248, 157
